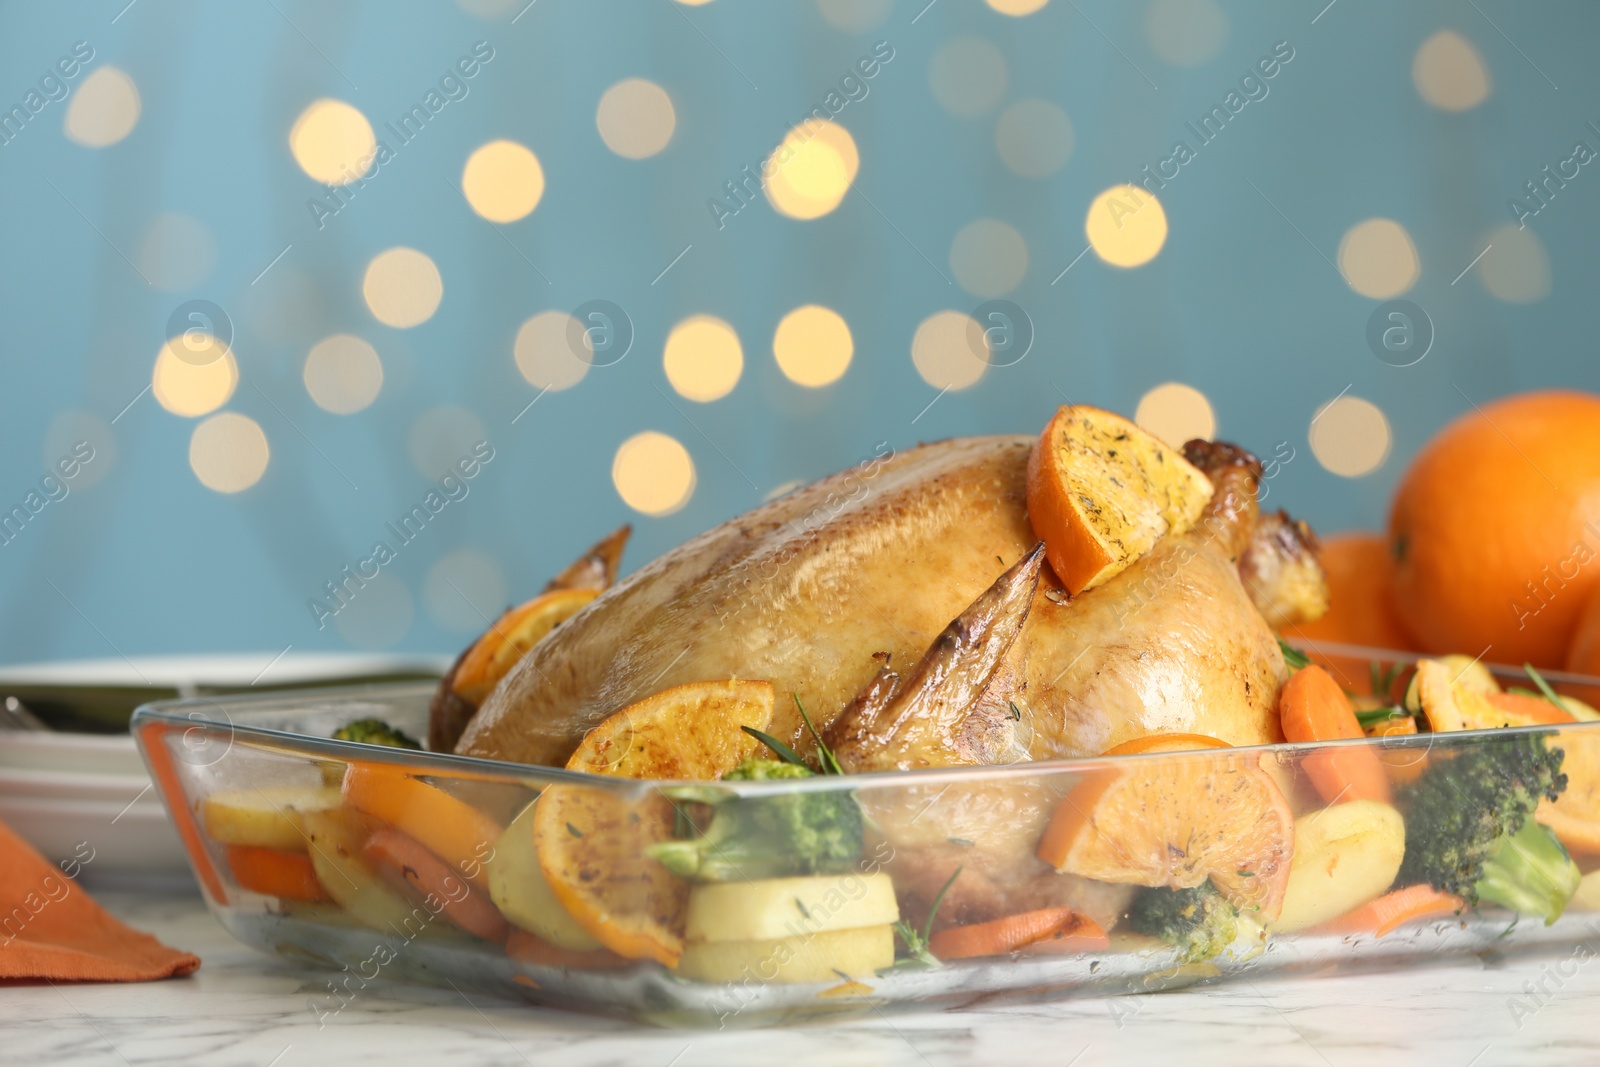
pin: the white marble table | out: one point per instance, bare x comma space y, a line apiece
245, 1008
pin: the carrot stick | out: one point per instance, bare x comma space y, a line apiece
406, 863
1393, 910
1314, 708
451, 829
1054, 930
275, 873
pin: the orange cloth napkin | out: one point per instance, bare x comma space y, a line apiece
51, 929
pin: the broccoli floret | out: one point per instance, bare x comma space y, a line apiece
1459, 812
767, 837
1198, 922
374, 732
1530, 873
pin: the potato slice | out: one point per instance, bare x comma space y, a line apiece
512, 635
1101, 492
775, 908
1344, 856
265, 817
591, 842
519, 889
335, 840
821, 957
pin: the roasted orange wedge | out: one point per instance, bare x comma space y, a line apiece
510, 637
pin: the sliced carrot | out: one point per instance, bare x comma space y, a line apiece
1402, 765
1393, 910
531, 948
1055, 930
452, 829
1166, 743
405, 863
1312, 707
275, 873
1525, 710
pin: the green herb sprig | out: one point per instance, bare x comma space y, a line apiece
919, 956
1293, 656
826, 760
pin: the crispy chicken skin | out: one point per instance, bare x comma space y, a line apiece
817, 590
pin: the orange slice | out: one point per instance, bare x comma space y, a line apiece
1452, 700
592, 841
510, 637
1575, 815
1176, 823
1101, 492
1166, 743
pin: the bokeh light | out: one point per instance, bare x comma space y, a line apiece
1176, 413
988, 257
104, 109
503, 181
813, 346
942, 350
1185, 33
635, 118
1449, 72
332, 141
402, 287
343, 374
1378, 259
543, 352
193, 389
855, 16
1017, 8
1126, 226
1516, 268
228, 452
968, 76
1034, 138
1350, 436
812, 169
653, 473
703, 358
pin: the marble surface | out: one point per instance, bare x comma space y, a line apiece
248, 1009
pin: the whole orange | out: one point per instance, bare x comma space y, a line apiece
1495, 529
1361, 611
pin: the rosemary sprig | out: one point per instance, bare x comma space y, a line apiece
916, 941
1293, 656
825, 757
781, 750
1544, 687
1377, 715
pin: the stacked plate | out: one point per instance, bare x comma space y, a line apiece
86, 797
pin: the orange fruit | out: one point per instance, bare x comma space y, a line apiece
1575, 815
1361, 611
1583, 653
1177, 823
510, 636
1101, 492
591, 841
1495, 526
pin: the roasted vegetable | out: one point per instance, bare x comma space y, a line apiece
1530, 873
1198, 922
374, 732
1461, 808
766, 837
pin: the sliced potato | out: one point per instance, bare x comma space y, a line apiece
1344, 856
266, 817
512, 635
519, 889
1587, 898
774, 908
335, 840
822, 957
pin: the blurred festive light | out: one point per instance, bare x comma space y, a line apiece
1034, 138
503, 181
1017, 7
332, 142
1516, 269
104, 109
968, 76
440, 438
544, 352
1350, 436
988, 257
854, 16
1126, 226
942, 350
653, 473
1185, 33
703, 358
635, 118
177, 253
812, 169
402, 287
191, 389
1176, 413
813, 346
464, 591
343, 374
1449, 72
1378, 259
228, 452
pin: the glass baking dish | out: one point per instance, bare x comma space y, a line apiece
415, 866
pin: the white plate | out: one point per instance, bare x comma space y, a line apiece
120, 838
221, 669
70, 753
107, 788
